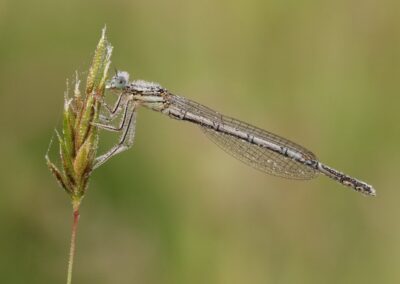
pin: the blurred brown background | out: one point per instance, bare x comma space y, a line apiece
175, 208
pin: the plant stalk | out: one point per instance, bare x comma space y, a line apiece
73, 241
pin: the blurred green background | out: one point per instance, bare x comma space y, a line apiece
175, 208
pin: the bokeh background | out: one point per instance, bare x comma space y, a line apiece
175, 208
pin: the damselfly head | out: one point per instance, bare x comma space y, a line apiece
119, 80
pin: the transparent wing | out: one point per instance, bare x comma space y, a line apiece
255, 156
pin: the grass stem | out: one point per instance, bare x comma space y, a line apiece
73, 242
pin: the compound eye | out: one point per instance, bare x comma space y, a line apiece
120, 80
120, 83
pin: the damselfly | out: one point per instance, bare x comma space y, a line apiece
258, 148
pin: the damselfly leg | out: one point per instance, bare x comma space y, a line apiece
126, 127
112, 111
106, 121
